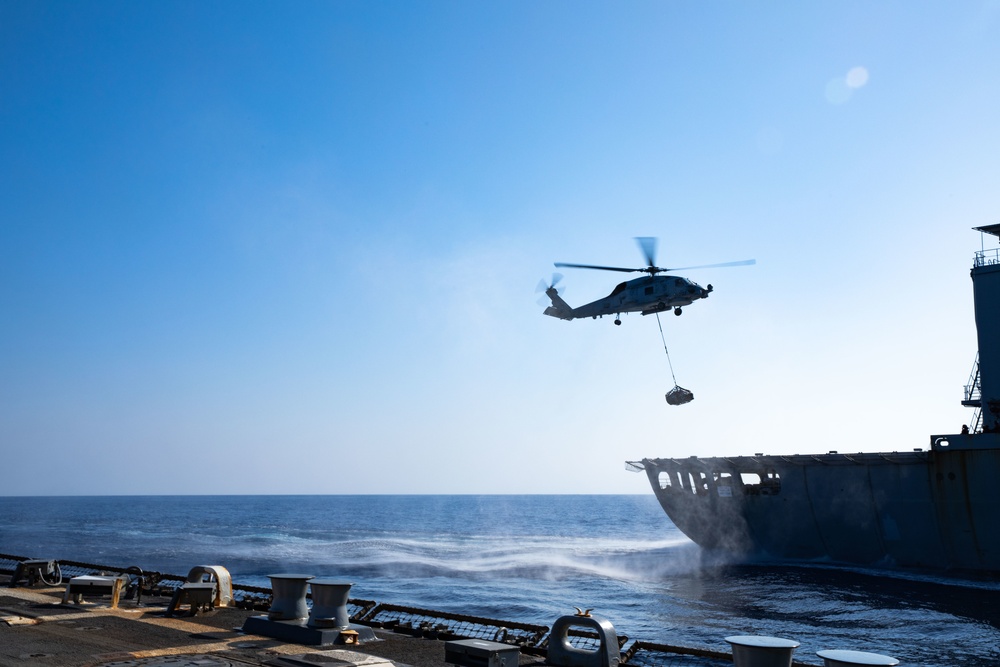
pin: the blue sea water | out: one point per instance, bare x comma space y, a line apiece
524, 558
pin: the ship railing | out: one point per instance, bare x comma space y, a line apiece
973, 387
987, 257
433, 624
976, 423
973, 397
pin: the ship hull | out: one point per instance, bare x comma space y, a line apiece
933, 509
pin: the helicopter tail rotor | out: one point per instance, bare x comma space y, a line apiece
559, 308
543, 287
551, 289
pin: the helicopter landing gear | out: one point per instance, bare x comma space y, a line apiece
677, 311
618, 321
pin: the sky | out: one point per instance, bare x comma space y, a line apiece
292, 248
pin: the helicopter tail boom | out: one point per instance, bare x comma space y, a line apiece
559, 308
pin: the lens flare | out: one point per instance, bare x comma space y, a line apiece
857, 77
840, 89
837, 91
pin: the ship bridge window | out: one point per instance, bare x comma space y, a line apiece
764, 483
675, 479
724, 485
698, 483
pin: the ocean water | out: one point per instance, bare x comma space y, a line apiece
525, 558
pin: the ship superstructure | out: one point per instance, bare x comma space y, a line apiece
934, 508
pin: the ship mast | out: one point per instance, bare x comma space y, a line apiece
986, 291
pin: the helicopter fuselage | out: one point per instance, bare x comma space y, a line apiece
646, 295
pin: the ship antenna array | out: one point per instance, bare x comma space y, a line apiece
665, 349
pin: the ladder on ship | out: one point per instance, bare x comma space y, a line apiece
973, 398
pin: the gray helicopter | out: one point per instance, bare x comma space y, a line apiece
647, 295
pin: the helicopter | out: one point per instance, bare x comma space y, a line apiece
647, 295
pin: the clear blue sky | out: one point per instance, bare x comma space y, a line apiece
253, 247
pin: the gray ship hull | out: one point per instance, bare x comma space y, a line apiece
938, 508
910, 509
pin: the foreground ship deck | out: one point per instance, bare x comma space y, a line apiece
37, 628
44, 632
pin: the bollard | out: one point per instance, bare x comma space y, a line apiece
329, 608
562, 654
838, 658
288, 597
755, 651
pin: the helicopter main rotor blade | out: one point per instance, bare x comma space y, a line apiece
648, 246
744, 262
600, 268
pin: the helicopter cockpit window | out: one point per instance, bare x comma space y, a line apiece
679, 282
618, 290
649, 290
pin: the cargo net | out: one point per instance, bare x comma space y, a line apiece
585, 640
9, 563
647, 654
444, 625
357, 609
679, 396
